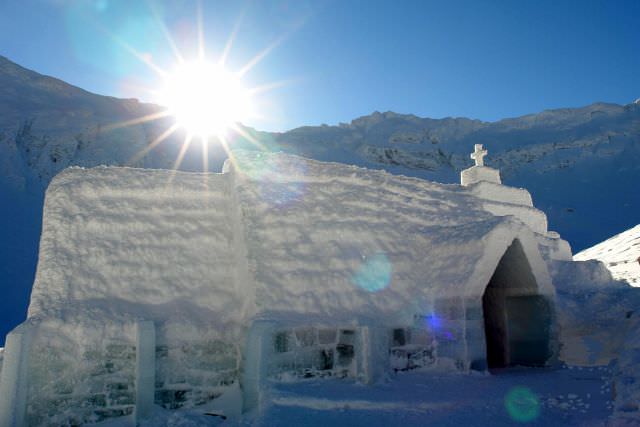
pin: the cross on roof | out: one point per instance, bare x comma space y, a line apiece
478, 154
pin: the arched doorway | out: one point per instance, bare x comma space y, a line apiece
517, 319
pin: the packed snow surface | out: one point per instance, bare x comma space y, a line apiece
620, 253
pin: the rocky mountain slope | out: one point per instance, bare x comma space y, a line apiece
582, 165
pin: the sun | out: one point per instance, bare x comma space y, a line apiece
205, 99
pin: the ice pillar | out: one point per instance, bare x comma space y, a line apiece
372, 353
145, 369
13, 381
363, 352
258, 351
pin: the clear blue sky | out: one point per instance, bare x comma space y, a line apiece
339, 60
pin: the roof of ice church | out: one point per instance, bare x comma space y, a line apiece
275, 233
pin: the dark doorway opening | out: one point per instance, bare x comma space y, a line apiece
517, 319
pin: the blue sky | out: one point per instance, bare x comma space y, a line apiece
337, 60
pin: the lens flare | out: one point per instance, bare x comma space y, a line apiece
375, 273
280, 183
433, 322
522, 404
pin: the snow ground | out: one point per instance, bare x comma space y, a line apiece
568, 397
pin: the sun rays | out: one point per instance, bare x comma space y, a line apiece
205, 99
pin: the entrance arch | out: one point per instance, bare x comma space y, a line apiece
517, 318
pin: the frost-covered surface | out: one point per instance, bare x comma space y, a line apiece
125, 239
620, 253
139, 240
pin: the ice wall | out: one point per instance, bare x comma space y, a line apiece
79, 373
83, 370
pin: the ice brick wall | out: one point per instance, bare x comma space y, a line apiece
86, 374
76, 382
308, 352
190, 374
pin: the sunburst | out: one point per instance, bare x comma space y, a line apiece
205, 99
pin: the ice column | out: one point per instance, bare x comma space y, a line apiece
363, 353
259, 346
13, 382
145, 369
372, 353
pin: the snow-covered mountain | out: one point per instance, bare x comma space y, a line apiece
47, 124
581, 165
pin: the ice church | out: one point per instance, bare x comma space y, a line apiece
183, 290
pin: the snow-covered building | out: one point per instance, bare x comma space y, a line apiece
191, 290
